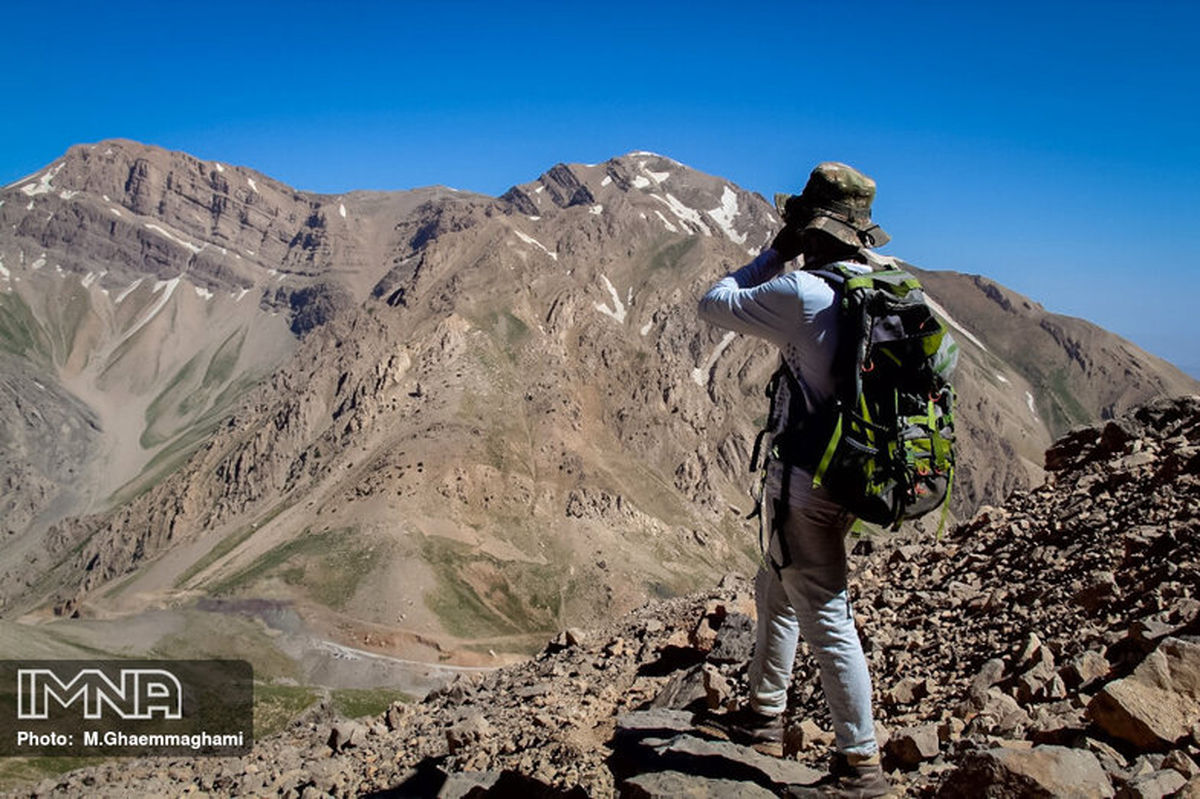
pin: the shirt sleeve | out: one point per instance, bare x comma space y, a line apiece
756, 300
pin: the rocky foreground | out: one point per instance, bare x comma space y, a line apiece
1047, 648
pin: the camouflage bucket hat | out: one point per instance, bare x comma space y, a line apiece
836, 200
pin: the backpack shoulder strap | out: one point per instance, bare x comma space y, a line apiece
835, 274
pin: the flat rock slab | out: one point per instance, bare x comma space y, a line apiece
732, 760
676, 785
662, 720
1043, 772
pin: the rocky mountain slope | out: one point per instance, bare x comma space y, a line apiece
435, 424
1047, 647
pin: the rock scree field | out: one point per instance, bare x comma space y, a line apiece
1048, 646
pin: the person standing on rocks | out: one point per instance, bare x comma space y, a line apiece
802, 587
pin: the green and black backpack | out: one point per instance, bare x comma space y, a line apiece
884, 446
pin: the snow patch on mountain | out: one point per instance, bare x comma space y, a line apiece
42, 186
128, 290
167, 287
700, 373
618, 311
685, 213
177, 239
657, 177
531, 240
648, 154
725, 213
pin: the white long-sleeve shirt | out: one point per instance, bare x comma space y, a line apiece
796, 311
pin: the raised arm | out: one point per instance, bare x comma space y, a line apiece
756, 300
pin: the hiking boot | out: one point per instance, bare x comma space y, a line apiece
747, 727
851, 777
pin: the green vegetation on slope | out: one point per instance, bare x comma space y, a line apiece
671, 255
276, 704
20, 333
356, 703
22, 772
171, 398
227, 545
220, 368
188, 393
478, 595
328, 567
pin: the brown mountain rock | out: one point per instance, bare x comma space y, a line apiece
1156, 706
256, 361
574, 720
1044, 771
442, 427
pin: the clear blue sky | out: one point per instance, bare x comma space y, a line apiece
1052, 146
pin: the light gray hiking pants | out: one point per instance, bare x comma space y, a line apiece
808, 597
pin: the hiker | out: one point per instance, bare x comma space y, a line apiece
802, 587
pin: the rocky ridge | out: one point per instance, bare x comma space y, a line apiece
506, 406
1049, 647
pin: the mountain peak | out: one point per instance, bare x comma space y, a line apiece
671, 196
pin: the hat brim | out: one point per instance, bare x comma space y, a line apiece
869, 238
818, 219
